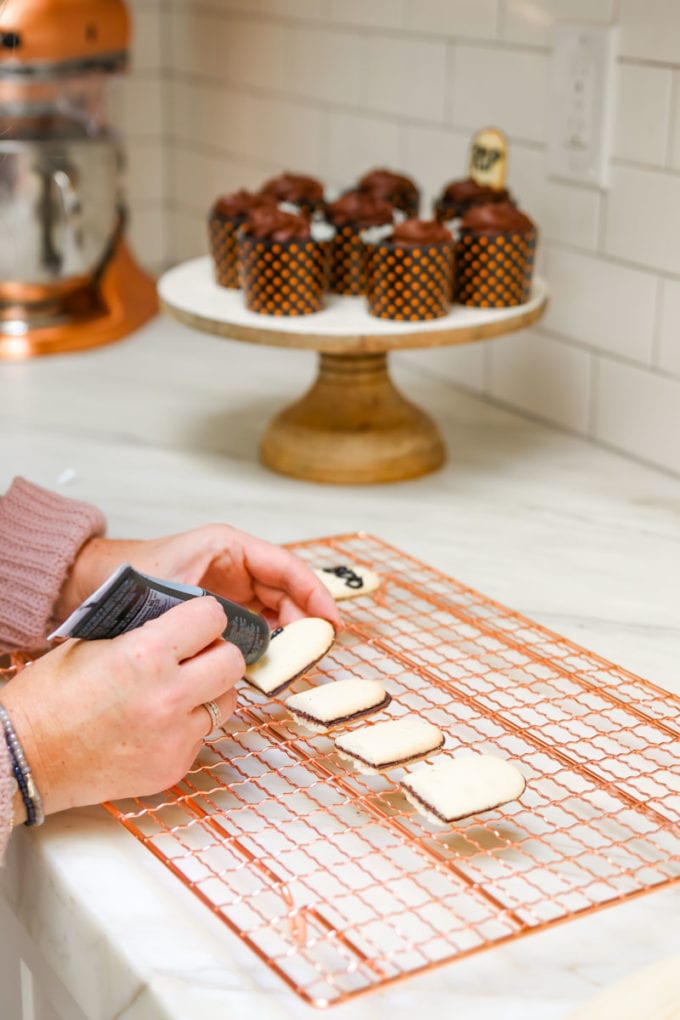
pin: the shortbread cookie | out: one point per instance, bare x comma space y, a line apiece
346, 582
321, 708
388, 744
454, 788
293, 650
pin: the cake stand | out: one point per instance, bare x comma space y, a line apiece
353, 425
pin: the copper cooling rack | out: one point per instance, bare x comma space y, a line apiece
335, 881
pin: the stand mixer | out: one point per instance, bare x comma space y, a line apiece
67, 278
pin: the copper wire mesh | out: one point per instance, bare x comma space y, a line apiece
332, 877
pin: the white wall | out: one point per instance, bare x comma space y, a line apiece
227, 92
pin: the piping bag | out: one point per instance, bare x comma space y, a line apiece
128, 598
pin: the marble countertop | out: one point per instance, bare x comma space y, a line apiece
161, 431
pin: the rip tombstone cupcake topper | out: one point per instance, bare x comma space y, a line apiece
487, 170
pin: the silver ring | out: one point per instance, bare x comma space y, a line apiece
213, 711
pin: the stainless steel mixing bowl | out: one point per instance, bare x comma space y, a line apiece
60, 208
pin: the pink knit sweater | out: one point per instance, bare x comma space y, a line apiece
40, 536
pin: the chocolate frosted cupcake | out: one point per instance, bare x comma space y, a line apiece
401, 192
224, 219
495, 256
352, 213
305, 193
459, 196
283, 260
410, 274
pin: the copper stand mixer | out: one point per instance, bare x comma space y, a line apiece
67, 278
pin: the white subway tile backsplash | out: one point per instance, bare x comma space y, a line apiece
146, 50
359, 143
137, 107
312, 9
642, 113
532, 21
147, 232
642, 218
463, 364
669, 327
376, 14
505, 88
187, 237
434, 156
675, 123
325, 65
406, 77
561, 212
467, 18
144, 175
638, 412
600, 303
542, 376
218, 175
650, 30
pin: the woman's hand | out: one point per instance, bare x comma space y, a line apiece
225, 561
99, 720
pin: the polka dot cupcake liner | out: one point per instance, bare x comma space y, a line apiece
348, 267
494, 271
410, 282
283, 277
223, 248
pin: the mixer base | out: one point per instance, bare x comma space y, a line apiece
122, 300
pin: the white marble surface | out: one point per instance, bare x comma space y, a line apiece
190, 287
161, 431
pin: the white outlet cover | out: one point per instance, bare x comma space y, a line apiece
581, 102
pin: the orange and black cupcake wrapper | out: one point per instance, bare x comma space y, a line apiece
494, 271
283, 277
349, 262
410, 283
223, 248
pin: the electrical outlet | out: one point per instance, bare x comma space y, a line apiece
581, 102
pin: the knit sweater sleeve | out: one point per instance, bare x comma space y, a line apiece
41, 534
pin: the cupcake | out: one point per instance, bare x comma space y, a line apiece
410, 274
495, 256
226, 216
459, 196
283, 261
399, 191
305, 193
352, 213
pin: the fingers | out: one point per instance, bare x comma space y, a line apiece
212, 672
186, 629
317, 602
204, 722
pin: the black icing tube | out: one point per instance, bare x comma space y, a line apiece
129, 598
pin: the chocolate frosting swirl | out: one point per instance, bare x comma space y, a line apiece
294, 188
388, 186
276, 225
238, 204
496, 218
359, 209
468, 192
417, 231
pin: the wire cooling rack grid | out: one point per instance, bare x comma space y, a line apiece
330, 875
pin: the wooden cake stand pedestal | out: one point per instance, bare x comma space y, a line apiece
353, 425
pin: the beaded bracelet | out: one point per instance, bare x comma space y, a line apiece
35, 814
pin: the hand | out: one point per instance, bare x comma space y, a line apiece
221, 559
99, 720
